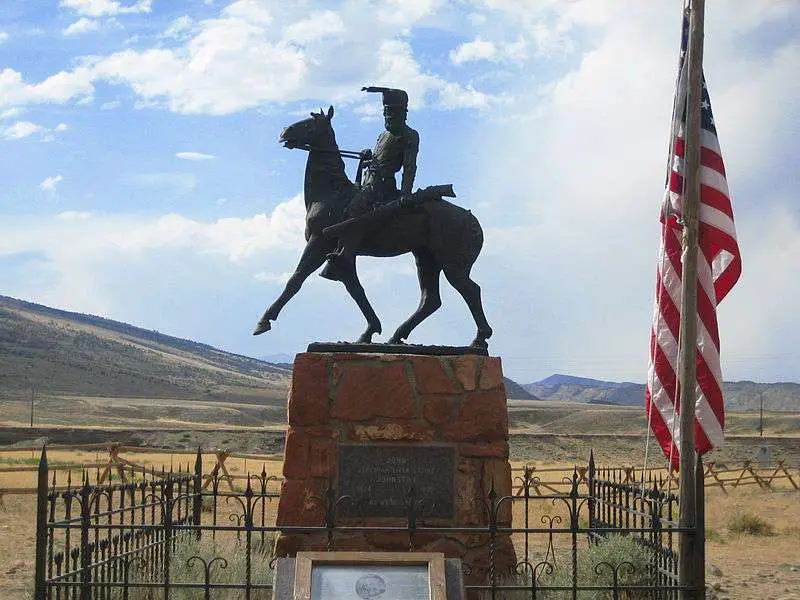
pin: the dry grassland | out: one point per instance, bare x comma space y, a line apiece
743, 566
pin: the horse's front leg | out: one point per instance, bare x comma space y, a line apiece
356, 291
312, 258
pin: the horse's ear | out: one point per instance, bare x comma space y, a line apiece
330, 113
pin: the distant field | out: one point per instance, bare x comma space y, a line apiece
268, 410
552, 431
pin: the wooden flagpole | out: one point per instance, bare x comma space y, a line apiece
688, 323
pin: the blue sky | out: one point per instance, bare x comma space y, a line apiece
142, 179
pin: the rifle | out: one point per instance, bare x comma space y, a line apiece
432, 192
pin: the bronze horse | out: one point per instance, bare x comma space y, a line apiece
440, 235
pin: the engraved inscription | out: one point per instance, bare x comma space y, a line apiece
379, 477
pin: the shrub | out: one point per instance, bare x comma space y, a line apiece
749, 524
185, 567
712, 535
614, 551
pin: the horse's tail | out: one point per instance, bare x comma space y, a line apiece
456, 237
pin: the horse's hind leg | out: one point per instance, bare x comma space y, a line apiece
356, 291
471, 292
428, 274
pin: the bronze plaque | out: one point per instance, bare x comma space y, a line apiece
378, 478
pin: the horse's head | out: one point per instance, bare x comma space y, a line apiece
316, 131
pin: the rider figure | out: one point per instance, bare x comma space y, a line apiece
395, 149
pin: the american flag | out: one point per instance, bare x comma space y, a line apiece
718, 268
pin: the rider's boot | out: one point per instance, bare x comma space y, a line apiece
337, 267
334, 268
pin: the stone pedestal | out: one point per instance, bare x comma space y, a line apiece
449, 405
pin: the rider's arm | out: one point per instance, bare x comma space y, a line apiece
409, 162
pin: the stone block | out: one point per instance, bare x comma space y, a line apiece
431, 377
388, 541
466, 370
491, 373
497, 449
308, 396
310, 452
437, 409
368, 391
483, 416
302, 503
451, 547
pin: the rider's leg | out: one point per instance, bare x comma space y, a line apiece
344, 255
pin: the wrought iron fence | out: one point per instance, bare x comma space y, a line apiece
168, 536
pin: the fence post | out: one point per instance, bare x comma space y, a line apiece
700, 530
86, 549
591, 483
197, 498
167, 541
41, 528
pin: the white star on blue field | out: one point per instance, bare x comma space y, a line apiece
141, 177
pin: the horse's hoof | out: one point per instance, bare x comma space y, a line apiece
262, 327
396, 340
480, 343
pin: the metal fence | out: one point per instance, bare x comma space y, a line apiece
167, 536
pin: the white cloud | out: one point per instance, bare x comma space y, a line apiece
81, 236
49, 184
99, 8
477, 49
194, 156
110, 105
73, 215
407, 12
82, 25
10, 113
316, 27
58, 89
21, 129
179, 27
254, 54
3, 37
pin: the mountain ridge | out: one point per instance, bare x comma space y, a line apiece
50, 351
739, 395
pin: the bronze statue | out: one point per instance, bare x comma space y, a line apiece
374, 218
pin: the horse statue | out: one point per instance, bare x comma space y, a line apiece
440, 235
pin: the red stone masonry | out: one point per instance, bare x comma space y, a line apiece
399, 399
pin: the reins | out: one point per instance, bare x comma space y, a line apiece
342, 153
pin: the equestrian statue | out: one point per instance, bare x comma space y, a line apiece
371, 217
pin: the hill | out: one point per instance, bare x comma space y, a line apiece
739, 395
60, 353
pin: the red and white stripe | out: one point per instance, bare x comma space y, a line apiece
718, 268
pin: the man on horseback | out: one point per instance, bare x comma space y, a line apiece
396, 149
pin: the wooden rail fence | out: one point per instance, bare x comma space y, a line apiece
543, 480
716, 475
127, 469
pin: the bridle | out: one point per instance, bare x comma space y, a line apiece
343, 153
363, 157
